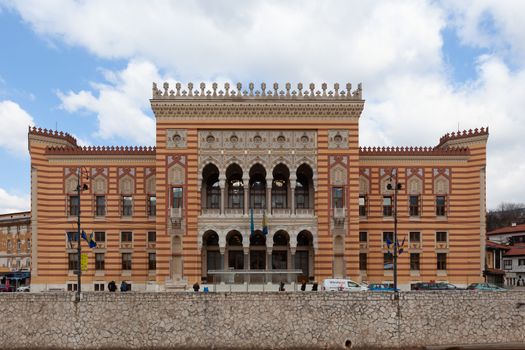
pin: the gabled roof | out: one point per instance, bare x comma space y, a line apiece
490, 244
516, 251
508, 229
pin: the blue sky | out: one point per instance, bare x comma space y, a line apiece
426, 67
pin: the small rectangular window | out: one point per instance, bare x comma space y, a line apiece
414, 261
441, 237
126, 261
152, 236
441, 261
338, 197
363, 236
387, 205
99, 287
362, 205
415, 237
100, 206
177, 197
127, 206
99, 261
74, 205
362, 261
126, 237
440, 206
152, 261
152, 205
414, 205
100, 236
73, 261
521, 262
388, 261
72, 287
507, 264
388, 237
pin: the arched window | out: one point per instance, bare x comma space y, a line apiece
280, 251
280, 183
235, 187
302, 186
235, 251
213, 194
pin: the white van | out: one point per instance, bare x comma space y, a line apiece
343, 285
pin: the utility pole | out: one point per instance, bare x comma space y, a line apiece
80, 188
396, 187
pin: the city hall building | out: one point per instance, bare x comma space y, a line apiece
250, 186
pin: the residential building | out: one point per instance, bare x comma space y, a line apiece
15, 241
243, 180
513, 237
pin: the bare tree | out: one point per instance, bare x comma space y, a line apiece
505, 215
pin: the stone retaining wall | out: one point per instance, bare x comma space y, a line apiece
260, 320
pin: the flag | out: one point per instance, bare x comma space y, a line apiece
90, 239
69, 239
264, 224
388, 243
252, 226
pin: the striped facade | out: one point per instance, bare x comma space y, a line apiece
224, 159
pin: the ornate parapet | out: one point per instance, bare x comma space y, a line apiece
50, 135
101, 150
229, 93
414, 151
460, 137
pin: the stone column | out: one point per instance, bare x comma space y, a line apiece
246, 187
269, 263
269, 195
292, 191
246, 262
222, 183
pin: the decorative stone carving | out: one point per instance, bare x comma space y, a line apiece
176, 175
415, 185
441, 180
338, 139
151, 185
176, 138
364, 185
100, 185
126, 185
338, 175
71, 184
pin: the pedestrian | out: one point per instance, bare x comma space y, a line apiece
123, 286
314, 287
112, 286
281, 287
196, 287
303, 286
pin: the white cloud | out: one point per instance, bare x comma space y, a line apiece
10, 203
120, 103
395, 49
14, 122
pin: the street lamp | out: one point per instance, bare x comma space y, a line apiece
396, 187
80, 187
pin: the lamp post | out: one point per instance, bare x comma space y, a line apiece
396, 187
79, 247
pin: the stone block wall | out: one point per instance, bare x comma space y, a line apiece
260, 320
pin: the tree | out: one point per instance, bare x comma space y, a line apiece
505, 215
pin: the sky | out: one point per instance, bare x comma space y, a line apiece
427, 68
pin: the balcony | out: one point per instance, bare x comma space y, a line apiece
304, 212
126, 245
211, 211
415, 245
441, 245
234, 211
176, 215
339, 217
151, 245
363, 245
281, 212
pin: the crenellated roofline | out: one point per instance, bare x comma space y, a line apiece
101, 150
414, 151
53, 134
230, 93
462, 135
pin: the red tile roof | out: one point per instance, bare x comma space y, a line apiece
508, 229
491, 244
516, 251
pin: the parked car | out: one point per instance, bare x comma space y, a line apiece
23, 289
485, 286
434, 286
381, 287
5, 288
343, 285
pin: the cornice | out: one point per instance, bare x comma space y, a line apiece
410, 159
247, 110
465, 142
101, 160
